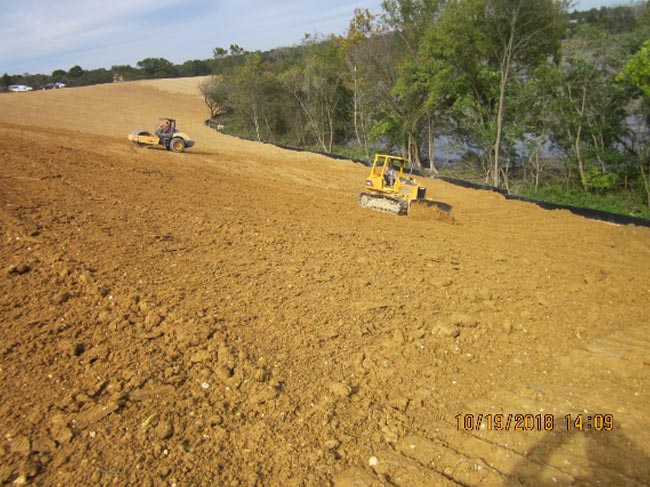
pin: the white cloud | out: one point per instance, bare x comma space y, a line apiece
39, 29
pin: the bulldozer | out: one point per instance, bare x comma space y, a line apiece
389, 188
165, 135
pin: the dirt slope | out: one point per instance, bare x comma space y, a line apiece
230, 317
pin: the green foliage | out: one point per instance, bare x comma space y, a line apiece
76, 72
195, 67
158, 68
599, 181
612, 20
629, 202
637, 70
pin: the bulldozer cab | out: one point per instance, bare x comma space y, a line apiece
387, 172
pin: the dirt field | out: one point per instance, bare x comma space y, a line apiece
230, 317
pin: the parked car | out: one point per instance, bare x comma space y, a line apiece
53, 86
16, 88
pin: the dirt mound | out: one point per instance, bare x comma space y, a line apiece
230, 316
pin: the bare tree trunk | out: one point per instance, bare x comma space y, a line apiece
645, 177
432, 147
413, 152
356, 106
578, 143
256, 121
538, 170
505, 74
497, 142
600, 145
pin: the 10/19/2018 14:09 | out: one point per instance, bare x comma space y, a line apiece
533, 422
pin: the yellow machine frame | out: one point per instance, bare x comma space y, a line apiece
403, 187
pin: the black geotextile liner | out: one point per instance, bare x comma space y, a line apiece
296, 149
584, 212
590, 213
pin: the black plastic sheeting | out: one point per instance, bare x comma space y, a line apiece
210, 124
590, 213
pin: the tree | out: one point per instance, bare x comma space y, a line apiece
636, 72
490, 45
590, 108
356, 47
317, 88
195, 67
157, 67
215, 95
409, 21
252, 94
76, 72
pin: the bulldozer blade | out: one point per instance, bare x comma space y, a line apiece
429, 209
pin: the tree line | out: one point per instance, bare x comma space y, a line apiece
533, 98
531, 93
147, 68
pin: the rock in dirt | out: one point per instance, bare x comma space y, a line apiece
86, 278
355, 477
507, 327
223, 372
18, 269
191, 332
104, 317
21, 444
152, 320
442, 330
43, 444
96, 413
400, 403
62, 435
226, 355
331, 444
78, 349
152, 392
62, 298
341, 390
164, 430
398, 337
20, 480
262, 375
263, 396
462, 319
200, 356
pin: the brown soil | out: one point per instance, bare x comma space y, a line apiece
229, 316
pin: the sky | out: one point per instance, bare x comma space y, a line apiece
39, 36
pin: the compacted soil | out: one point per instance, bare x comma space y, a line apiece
229, 316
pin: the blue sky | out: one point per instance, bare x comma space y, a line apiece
39, 36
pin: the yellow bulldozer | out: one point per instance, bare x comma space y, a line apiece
165, 135
389, 188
